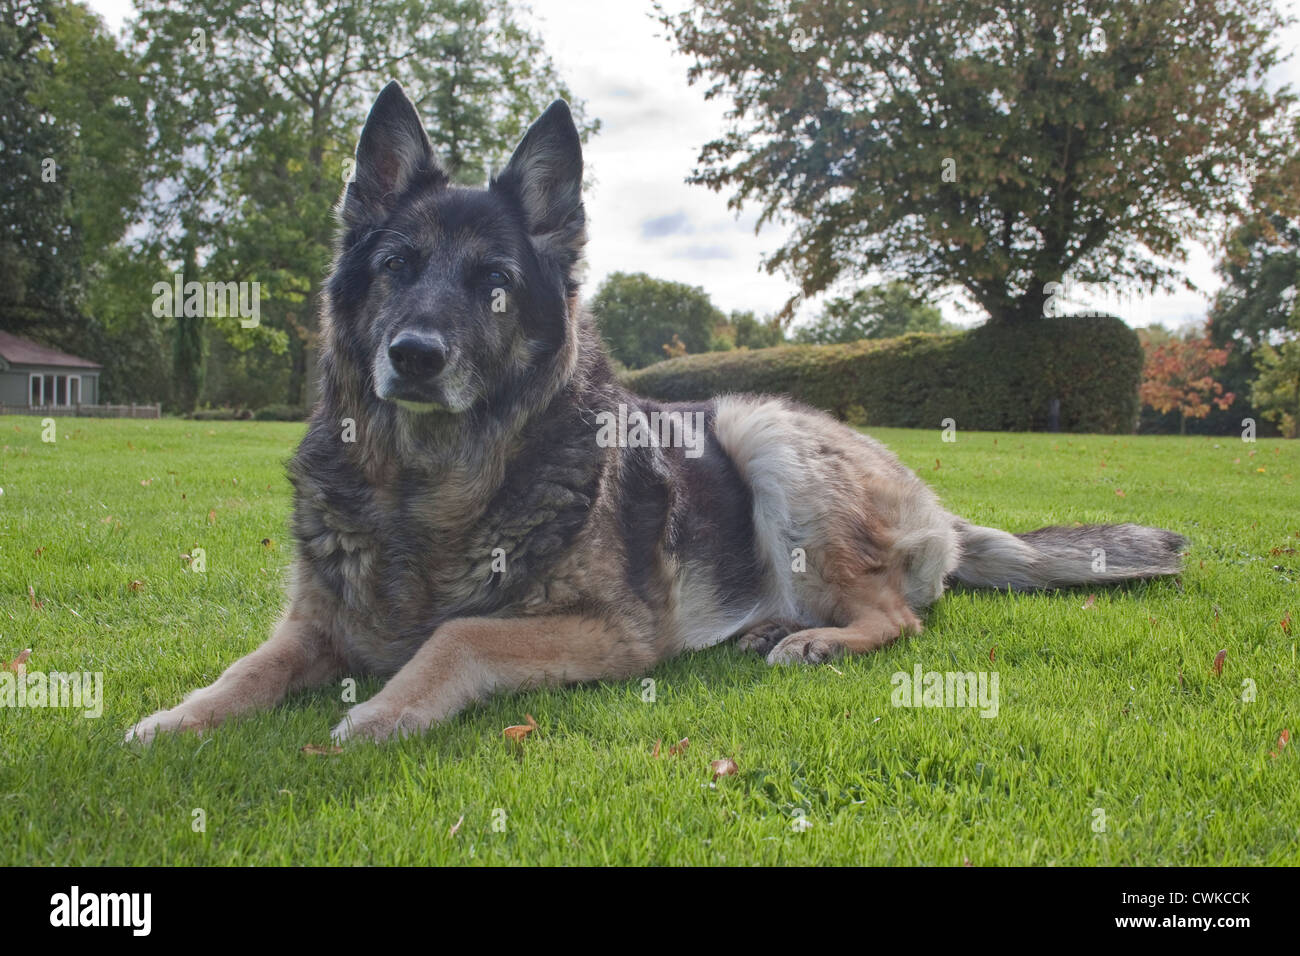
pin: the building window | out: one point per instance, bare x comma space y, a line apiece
58, 390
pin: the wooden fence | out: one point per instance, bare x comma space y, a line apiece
84, 411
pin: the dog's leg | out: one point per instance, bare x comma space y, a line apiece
296, 656
876, 614
468, 659
762, 637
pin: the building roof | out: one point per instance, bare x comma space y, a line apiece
18, 351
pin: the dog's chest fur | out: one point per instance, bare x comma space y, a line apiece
396, 555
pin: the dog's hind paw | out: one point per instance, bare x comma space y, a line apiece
761, 638
805, 647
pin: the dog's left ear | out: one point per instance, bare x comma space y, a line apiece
544, 176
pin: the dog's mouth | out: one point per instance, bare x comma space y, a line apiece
422, 408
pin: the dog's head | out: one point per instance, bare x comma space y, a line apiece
448, 298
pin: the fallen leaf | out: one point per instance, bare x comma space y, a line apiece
212, 517
38, 552
146, 482
31, 596
655, 752
268, 543
456, 826
321, 751
1286, 623
19, 664
679, 748
1090, 601
1119, 493
1218, 661
723, 768
519, 731
136, 585
1282, 741
936, 464
993, 653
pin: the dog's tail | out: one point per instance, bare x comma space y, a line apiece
1064, 557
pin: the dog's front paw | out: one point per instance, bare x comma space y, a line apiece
373, 721
805, 647
175, 720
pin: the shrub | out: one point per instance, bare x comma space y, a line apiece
996, 377
281, 413
224, 414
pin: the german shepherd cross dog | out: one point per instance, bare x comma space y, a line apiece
466, 522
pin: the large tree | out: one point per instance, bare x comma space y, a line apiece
1258, 307
71, 154
40, 265
999, 147
256, 105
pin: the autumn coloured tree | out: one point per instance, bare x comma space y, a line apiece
1179, 377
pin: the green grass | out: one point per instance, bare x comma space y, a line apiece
1108, 708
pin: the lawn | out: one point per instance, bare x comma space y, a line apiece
1114, 740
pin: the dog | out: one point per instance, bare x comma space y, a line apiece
480, 507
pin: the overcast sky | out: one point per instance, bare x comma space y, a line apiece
643, 216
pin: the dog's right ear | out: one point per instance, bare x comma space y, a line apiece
393, 153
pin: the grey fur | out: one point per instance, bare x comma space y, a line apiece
1064, 557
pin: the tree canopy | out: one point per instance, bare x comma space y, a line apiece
878, 312
638, 315
998, 147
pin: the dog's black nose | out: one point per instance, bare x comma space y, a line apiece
418, 355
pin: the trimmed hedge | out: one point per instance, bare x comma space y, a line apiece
995, 378
281, 413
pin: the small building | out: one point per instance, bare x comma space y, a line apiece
36, 376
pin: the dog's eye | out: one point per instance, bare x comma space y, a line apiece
394, 263
498, 278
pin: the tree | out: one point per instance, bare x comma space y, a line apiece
743, 329
639, 315
1255, 309
878, 312
1261, 262
256, 109
997, 146
40, 267
72, 129
1276, 392
1179, 377
751, 332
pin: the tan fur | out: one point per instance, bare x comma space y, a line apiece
471, 658
295, 657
